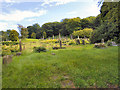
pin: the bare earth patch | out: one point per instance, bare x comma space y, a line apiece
67, 84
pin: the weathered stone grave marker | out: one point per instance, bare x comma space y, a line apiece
102, 41
7, 59
60, 41
83, 42
78, 40
20, 45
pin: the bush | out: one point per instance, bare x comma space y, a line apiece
99, 45
59, 47
109, 43
6, 52
72, 42
14, 49
15, 43
39, 49
9, 43
87, 42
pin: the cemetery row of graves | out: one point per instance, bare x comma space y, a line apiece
15, 47
59, 63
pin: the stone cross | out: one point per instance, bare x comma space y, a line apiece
53, 36
102, 41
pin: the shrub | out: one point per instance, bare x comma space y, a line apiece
72, 42
59, 47
14, 49
9, 43
87, 42
15, 43
99, 45
6, 52
39, 49
6, 43
109, 43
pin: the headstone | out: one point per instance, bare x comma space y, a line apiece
7, 59
60, 43
60, 40
59, 37
77, 41
20, 44
114, 44
18, 53
53, 36
71, 36
102, 41
83, 42
53, 53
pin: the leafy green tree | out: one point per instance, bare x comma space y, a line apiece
33, 35
36, 29
82, 33
44, 34
14, 35
8, 34
4, 36
87, 32
24, 31
108, 28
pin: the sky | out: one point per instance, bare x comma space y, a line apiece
29, 12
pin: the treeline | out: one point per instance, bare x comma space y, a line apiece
65, 27
104, 26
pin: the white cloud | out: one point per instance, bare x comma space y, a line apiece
30, 20
57, 2
72, 13
18, 15
93, 10
5, 26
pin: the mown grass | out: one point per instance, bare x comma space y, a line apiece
84, 65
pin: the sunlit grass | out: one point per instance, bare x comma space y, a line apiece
86, 67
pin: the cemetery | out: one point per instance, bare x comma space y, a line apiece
46, 63
71, 52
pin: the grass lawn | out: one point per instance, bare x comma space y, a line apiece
74, 67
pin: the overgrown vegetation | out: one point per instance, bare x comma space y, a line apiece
82, 65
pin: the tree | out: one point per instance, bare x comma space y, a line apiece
36, 29
4, 35
14, 35
82, 33
8, 34
87, 32
33, 35
107, 28
44, 35
23, 31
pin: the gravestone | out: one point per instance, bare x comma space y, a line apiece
53, 36
102, 41
71, 36
18, 53
83, 42
77, 41
20, 45
7, 59
60, 40
114, 44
